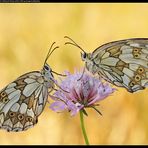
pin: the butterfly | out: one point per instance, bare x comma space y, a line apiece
123, 63
23, 100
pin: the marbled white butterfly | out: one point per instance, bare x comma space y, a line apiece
23, 100
123, 63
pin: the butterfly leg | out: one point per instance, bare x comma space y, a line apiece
58, 86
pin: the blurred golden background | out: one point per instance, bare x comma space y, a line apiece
26, 33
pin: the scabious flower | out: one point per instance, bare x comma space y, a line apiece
79, 93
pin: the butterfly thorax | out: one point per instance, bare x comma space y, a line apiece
48, 76
89, 62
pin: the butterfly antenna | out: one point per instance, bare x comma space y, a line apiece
73, 43
50, 52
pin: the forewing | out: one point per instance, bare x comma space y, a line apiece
124, 63
22, 101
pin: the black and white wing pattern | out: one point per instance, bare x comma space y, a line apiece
123, 63
22, 101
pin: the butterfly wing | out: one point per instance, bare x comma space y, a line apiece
22, 101
124, 63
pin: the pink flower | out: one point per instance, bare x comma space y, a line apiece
83, 93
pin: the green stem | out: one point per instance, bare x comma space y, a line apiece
83, 128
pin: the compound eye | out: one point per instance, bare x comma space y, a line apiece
83, 55
46, 67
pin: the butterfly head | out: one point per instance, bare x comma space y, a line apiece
85, 56
88, 59
47, 72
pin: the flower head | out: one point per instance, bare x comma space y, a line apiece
79, 93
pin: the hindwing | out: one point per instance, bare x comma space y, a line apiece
22, 101
124, 63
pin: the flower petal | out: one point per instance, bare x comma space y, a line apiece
74, 108
84, 92
58, 106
